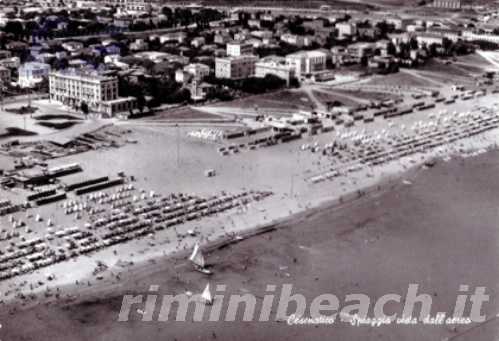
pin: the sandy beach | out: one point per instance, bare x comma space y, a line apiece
375, 245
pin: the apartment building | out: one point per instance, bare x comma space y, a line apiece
235, 67
100, 92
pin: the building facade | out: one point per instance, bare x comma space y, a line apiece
276, 66
235, 67
129, 5
32, 73
100, 92
195, 71
237, 48
4, 75
449, 4
307, 62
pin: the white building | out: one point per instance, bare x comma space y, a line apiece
471, 36
307, 62
129, 5
198, 42
72, 46
277, 66
11, 63
195, 71
235, 67
296, 40
429, 39
448, 4
32, 73
237, 48
176, 37
346, 29
100, 92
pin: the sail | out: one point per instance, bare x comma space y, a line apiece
197, 257
206, 295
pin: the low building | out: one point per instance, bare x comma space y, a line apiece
196, 71
222, 38
448, 4
161, 57
237, 48
5, 54
73, 87
198, 42
11, 63
139, 45
472, 36
277, 66
296, 40
361, 50
346, 29
32, 73
72, 46
176, 37
235, 67
262, 34
129, 5
307, 62
199, 90
429, 39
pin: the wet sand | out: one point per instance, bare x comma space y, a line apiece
439, 232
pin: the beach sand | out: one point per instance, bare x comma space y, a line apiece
439, 232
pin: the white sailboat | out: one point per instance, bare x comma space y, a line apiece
197, 259
206, 296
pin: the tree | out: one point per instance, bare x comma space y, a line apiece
15, 28
84, 108
141, 102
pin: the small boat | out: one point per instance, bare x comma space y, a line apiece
198, 260
206, 296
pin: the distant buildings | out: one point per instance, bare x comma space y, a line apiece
173, 37
100, 92
235, 67
129, 5
307, 62
161, 57
449, 4
276, 66
32, 73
